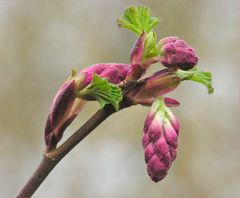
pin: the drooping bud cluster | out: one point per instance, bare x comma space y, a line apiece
66, 104
176, 53
159, 141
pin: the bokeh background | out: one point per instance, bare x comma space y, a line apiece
41, 40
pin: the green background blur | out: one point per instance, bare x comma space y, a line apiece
40, 40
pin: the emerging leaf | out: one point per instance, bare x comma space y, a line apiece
150, 46
103, 91
196, 75
138, 19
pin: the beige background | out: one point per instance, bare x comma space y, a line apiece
40, 40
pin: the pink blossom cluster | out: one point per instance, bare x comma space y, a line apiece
159, 141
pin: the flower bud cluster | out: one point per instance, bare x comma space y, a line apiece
176, 53
159, 141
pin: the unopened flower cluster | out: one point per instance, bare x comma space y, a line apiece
107, 83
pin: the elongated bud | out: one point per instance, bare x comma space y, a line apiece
67, 103
159, 141
64, 109
148, 89
176, 53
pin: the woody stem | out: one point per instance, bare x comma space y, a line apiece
52, 158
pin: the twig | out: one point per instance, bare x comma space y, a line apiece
51, 159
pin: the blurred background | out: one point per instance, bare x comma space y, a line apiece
41, 40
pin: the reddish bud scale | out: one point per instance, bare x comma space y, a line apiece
59, 117
138, 50
136, 58
139, 64
147, 90
160, 142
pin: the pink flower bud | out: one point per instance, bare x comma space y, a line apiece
114, 72
160, 141
66, 105
177, 53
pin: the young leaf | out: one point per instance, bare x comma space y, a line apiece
137, 19
196, 75
150, 46
103, 91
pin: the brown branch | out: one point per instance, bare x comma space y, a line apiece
51, 159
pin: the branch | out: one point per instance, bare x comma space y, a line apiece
51, 159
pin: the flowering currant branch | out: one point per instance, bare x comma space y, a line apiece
117, 86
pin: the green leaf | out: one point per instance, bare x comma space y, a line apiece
196, 75
103, 91
137, 19
150, 46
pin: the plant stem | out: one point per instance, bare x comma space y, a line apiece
51, 159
